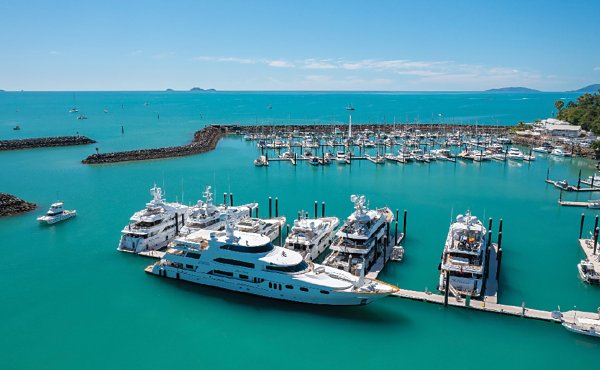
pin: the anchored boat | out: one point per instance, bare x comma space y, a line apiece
56, 213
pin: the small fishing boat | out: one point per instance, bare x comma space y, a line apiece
349, 107
73, 110
56, 213
261, 161
542, 149
559, 152
17, 128
314, 161
82, 116
587, 272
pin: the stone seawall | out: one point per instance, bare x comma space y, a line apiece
44, 142
11, 205
204, 140
536, 141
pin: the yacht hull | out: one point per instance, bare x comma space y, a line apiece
312, 296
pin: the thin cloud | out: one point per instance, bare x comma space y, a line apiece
227, 60
280, 64
596, 69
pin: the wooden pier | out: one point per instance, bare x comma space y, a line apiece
589, 204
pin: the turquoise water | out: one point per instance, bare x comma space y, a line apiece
70, 300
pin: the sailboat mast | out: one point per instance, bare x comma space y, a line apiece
350, 128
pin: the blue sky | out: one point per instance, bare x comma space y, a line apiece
298, 45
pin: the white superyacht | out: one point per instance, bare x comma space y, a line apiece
310, 237
464, 256
153, 227
206, 215
361, 240
250, 263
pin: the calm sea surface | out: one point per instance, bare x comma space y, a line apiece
69, 300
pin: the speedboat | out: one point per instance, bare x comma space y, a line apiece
585, 326
587, 272
558, 152
56, 213
514, 154
542, 149
314, 160
261, 161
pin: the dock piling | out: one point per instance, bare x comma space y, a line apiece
500, 227
447, 290
316, 209
489, 240
548, 174
499, 239
225, 198
276, 207
579, 180
499, 264
404, 228
581, 225
595, 239
596, 223
231, 199
270, 208
323, 209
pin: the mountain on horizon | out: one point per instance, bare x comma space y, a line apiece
587, 89
512, 89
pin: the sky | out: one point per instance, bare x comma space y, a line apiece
350, 45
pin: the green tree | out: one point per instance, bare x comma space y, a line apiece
559, 104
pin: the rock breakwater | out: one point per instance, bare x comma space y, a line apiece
11, 205
43, 142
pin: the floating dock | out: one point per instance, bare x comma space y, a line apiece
571, 188
589, 204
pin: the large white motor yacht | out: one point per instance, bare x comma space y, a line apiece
206, 215
269, 227
56, 213
310, 237
362, 238
153, 227
464, 256
250, 263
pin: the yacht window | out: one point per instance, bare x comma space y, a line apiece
228, 261
189, 267
247, 249
270, 286
324, 292
294, 268
225, 273
193, 255
304, 289
244, 277
289, 287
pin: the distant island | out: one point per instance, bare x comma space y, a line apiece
200, 89
517, 89
195, 89
588, 89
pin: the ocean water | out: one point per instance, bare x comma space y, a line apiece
70, 300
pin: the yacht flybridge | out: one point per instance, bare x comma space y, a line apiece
310, 237
250, 263
206, 215
153, 227
362, 239
464, 257
270, 227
